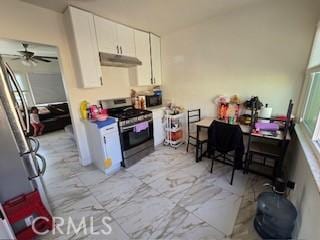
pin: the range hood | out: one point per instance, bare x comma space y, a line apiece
108, 59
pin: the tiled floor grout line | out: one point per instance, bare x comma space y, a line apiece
177, 166
190, 212
110, 214
177, 204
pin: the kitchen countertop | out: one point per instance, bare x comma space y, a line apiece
156, 108
101, 124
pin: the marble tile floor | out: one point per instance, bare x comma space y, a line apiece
164, 196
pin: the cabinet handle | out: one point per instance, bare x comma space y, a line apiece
151, 80
101, 81
121, 50
154, 80
104, 140
117, 49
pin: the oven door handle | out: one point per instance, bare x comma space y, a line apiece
122, 129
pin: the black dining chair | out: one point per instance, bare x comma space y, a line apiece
273, 149
194, 116
226, 140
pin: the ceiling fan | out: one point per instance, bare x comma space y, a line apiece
29, 57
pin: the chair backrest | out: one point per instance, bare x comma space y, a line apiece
288, 120
254, 115
193, 117
224, 137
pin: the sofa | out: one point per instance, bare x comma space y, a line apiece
54, 117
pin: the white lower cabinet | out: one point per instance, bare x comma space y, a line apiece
158, 126
104, 146
112, 146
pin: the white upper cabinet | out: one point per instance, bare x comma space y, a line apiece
155, 59
106, 35
114, 38
126, 40
84, 43
148, 51
143, 72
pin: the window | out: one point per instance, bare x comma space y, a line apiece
42, 84
313, 104
311, 111
23, 83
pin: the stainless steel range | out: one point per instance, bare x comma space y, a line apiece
136, 129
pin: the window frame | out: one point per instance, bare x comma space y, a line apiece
315, 135
314, 138
28, 90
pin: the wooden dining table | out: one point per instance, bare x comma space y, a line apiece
207, 121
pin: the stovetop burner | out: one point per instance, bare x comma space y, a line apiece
123, 109
126, 113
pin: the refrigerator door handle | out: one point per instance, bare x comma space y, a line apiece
40, 171
43, 163
36, 144
23, 101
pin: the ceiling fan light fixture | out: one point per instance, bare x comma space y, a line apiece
30, 59
33, 63
26, 63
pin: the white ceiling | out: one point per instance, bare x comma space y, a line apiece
158, 16
10, 47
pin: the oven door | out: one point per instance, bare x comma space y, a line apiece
130, 138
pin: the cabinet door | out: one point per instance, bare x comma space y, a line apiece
86, 49
155, 59
106, 35
143, 54
158, 127
126, 40
112, 146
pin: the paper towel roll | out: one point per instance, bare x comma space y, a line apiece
266, 112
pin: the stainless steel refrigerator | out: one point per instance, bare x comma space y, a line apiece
21, 166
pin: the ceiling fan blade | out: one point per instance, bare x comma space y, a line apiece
40, 59
11, 55
47, 57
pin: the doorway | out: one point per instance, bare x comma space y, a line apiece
39, 86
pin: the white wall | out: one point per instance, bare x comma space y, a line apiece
26, 22
306, 195
260, 49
